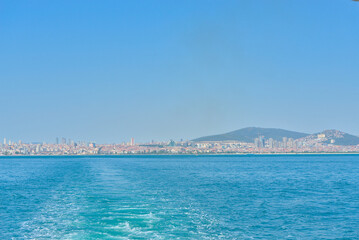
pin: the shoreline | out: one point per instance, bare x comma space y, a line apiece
186, 155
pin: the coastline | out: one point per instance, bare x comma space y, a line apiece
185, 155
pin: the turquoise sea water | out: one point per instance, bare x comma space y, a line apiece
174, 197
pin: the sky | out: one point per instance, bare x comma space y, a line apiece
106, 71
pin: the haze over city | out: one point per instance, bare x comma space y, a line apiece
107, 71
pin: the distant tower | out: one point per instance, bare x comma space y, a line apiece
63, 141
261, 141
256, 142
4, 141
132, 141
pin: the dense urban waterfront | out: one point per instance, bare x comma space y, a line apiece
329, 141
180, 197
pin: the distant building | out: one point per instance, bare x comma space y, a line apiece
285, 141
271, 143
132, 141
321, 135
290, 143
172, 143
256, 142
261, 142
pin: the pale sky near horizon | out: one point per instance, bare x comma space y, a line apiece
111, 70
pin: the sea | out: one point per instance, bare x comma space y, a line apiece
180, 197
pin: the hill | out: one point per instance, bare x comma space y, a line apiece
250, 133
336, 137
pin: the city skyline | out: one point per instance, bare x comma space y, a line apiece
164, 70
328, 141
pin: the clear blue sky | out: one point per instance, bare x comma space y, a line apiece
111, 70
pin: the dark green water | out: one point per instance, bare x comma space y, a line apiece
167, 197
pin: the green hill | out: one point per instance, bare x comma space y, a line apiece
250, 133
